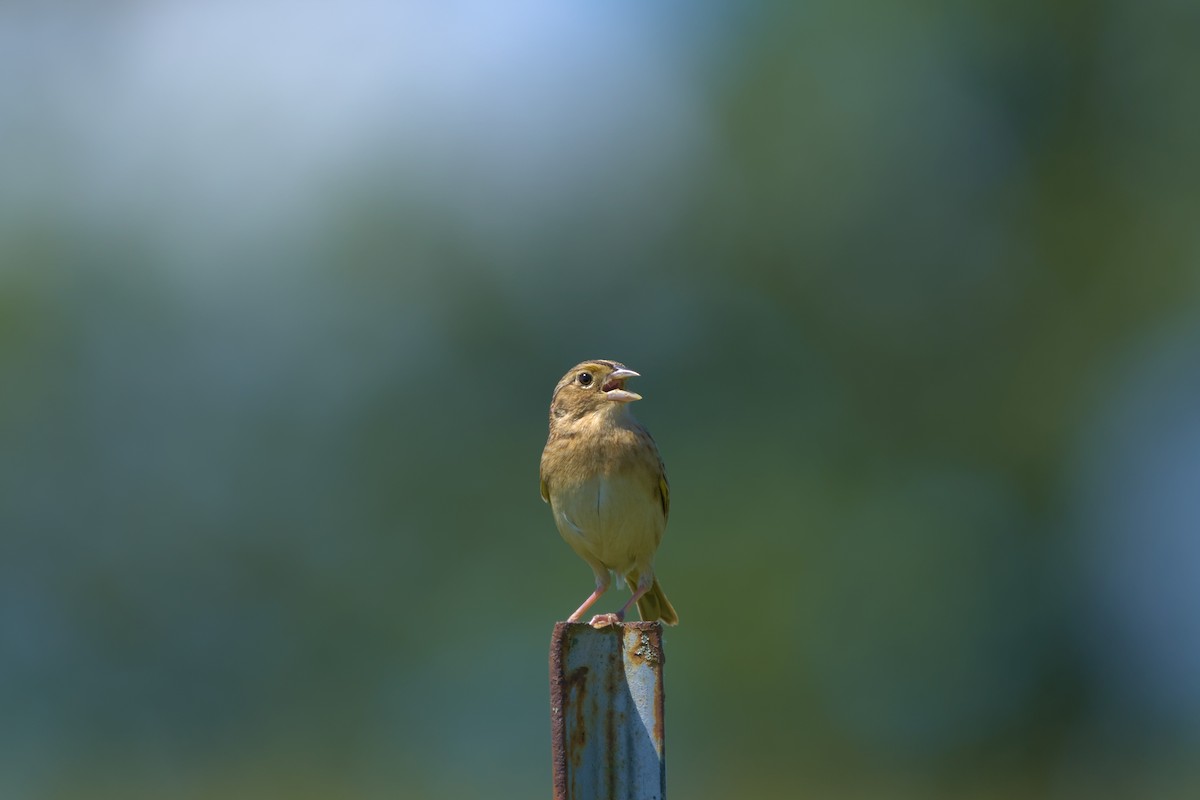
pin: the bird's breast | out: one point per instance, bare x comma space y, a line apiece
612, 517
604, 486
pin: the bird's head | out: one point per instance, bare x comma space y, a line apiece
592, 386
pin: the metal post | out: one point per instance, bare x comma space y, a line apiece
606, 711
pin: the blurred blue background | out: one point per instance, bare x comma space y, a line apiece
284, 290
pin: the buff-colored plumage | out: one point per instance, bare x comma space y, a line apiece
605, 483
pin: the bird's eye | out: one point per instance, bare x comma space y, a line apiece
585, 379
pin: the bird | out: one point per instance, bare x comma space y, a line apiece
604, 479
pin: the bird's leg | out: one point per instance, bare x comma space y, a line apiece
603, 620
587, 604
602, 579
644, 585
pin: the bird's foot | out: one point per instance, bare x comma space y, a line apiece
604, 620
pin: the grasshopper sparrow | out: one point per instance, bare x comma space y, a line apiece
605, 482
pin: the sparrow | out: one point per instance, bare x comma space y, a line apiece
607, 488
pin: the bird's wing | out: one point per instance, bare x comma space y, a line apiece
664, 491
545, 491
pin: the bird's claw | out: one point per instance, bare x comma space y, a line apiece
604, 620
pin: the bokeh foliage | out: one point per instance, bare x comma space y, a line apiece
283, 293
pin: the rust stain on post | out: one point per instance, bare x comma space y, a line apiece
606, 711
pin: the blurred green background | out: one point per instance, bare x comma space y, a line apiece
284, 290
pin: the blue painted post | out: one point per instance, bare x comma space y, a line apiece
606, 711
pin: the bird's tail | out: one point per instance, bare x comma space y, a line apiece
654, 604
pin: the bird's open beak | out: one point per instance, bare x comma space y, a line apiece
614, 387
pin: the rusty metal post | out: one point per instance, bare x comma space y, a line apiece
606, 711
